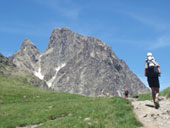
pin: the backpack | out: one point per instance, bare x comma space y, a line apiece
152, 69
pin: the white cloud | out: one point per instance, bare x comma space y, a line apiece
155, 22
148, 19
65, 8
163, 41
21, 28
27, 30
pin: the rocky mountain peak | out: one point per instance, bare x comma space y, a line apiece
27, 56
27, 44
61, 29
78, 64
61, 34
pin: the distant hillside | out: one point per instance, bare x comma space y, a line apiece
10, 70
78, 64
166, 92
5, 64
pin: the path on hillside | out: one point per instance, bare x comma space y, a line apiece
151, 117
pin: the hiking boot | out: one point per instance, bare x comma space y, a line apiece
156, 105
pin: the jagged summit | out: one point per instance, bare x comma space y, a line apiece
26, 40
78, 64
27, 43
28, 46
62, 34
62, 29
27, 56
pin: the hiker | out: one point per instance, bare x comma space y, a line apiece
152, 72
126, 92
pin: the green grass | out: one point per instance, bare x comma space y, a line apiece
166, 92
142, 97
23, 105
148, 96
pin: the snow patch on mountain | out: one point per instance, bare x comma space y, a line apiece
49, 83
38, 74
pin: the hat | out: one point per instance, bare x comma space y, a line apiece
149, 54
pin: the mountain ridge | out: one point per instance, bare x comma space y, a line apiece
78, 64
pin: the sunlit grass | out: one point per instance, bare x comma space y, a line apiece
23, 105
166, 92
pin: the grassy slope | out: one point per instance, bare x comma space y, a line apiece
22, 104
166, 92
142, 97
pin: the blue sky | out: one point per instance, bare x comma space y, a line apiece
131, 27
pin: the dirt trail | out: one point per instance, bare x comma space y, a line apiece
151, 117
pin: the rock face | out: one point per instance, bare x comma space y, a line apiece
77, 64
9, 69
27, 56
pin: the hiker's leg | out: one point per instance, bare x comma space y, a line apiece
157, 98
157, 94
156, 83
153, 94
157, 90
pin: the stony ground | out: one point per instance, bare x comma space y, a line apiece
151, 117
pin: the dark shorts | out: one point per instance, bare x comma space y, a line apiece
153, 82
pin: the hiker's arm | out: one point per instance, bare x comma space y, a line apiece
145, 72
159, 69
145, 69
